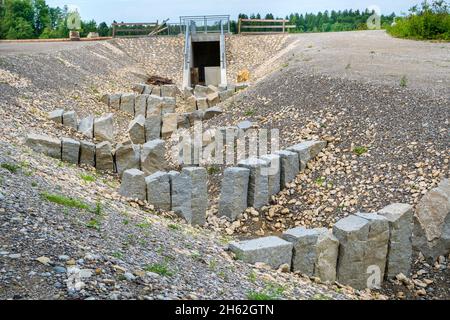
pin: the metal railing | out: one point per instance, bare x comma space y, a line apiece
206, 24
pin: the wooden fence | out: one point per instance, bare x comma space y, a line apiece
262, 26
137, 29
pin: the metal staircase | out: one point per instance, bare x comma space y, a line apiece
211, 28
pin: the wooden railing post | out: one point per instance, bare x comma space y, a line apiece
114, 30
284, 26
239, 25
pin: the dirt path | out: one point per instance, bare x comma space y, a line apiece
375, 57
13, 48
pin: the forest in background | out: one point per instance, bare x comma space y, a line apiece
34, 19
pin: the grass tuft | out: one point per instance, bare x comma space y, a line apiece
160, 269
64, 201
360, 150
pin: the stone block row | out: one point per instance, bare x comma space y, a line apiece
149, 158
184, 193
102, 129
361, 251
264, 177
142, 104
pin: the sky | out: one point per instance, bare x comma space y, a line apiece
152, 10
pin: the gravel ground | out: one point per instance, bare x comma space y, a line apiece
401, 134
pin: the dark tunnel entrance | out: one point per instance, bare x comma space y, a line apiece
206, 63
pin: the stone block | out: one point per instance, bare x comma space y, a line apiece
86, 127
211, 113
290, 166
70, 119
258, 189
158, 190
104, 128
169, 90
307, 150
114, 101
152, 157
234, 192
272, 251
136, 130
273, 172
225, 95
153, 127
56, 116
70, 150
87, 153
44, 144
127, 103
127, 156
103, 157
155, 105
133, 185
202, 103
140, 105
170, 124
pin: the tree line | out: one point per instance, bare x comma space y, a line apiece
31, 19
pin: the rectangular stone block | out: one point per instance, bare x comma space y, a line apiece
190, 195
400, 217
272, 251
158, 190
70, 119
136, 130
274, 173
307, 150
258, 189
87, 153
234, 192
127, 103
170, 124
168, 105
44, 144
86, 127
225, 95
315, 252
56, 116
114, 101
152, 157
133, 185
127, 156
103, 157
290, 166
169, 90
140, 105
155, 105
70, 150
202, 103
153, 128
364, 244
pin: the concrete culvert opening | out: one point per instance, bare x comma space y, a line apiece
206, 63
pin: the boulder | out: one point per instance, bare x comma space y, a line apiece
103, 157
431, 234
169, 90
152, 157
190, 195
127, 157
153, 128
258, 189
104, 128
86, 126
136, 130
114, 101
87, 153
70, 119
315, 252
70, 150
56, 116
127, 103
273, 173
158, 190
400, 217
233, 195
140, 105
307, 150
133, 185
272, 251
44, 144
290, 166
170, 124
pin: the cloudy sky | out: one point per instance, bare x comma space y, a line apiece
152, 10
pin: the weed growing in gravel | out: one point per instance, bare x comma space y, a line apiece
98, 209
195, 255
13, 168
321, 296
174, 226
34, 184
65, 201
252, 277
125, 222
320, 181
117, 255
93, 224
144, 225
213, 264
213, 170
249, 113
360, 150
159, 268
403, 82
267, 294
87, 178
